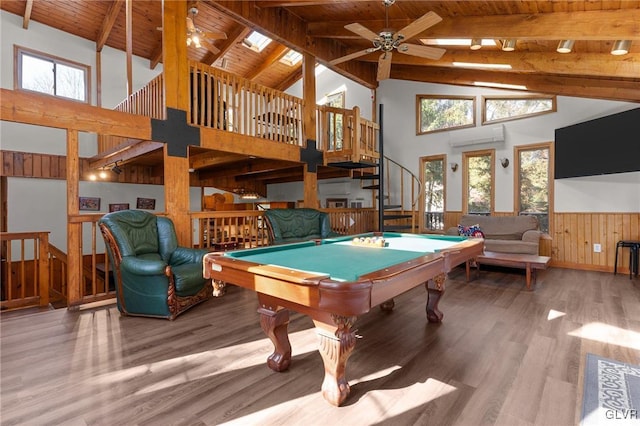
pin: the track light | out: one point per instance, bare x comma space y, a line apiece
565, 46
509, 45
621, 47
115, 169
476, 43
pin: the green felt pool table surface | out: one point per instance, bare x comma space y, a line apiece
342, 260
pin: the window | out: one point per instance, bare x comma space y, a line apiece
335, 120
533, 182
54, 76
256, 41
433, 178
436, 113
504, 108
478, 177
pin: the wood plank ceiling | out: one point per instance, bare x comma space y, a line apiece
318, 27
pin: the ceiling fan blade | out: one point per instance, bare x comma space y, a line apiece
362, 31
350, 56
190, 27
384, 66
215, 35
427, 20
421, 51
210, 47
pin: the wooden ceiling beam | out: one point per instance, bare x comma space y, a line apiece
213, 158
578, 86
107, 24
595, 64
236, 35
272, 58
588, 25
286, 28
26, 18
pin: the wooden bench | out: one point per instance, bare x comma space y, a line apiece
529, 262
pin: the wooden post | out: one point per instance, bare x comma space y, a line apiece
309, 120
74, 230
43, 268
176, 91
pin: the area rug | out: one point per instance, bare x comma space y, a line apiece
611, 393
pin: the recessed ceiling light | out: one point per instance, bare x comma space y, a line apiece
509, 45
621, 47
565, 46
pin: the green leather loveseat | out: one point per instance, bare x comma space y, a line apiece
294, 225
154, 276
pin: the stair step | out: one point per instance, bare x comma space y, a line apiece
371, 187
363, 177
352, 165
392, 206
396, 216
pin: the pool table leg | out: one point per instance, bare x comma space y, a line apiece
435, 290
336, 345
274, 323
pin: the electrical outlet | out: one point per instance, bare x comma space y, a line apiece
597, 248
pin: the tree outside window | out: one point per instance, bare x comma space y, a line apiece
479, 182
433, 181
533, 183
437, 113
47, 74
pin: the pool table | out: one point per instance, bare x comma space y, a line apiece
333, 281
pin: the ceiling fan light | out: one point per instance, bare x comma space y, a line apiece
509, 45
565, 46
196, 41
476, 43
621, 47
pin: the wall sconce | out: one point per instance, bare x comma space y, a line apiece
504, 162
621, 47
115, 169
454, 166
565, 46
509, 45
476, 43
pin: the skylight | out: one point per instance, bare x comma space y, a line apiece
291, 58
256, 41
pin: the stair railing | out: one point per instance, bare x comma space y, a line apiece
399, 175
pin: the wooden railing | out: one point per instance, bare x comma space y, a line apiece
224, 101
25, 269
345, 136
148, 101
352, 221
35, 272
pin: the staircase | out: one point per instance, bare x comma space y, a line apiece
397, 192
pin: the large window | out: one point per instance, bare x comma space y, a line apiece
433, 178
437, 113
533, 182
54, 76
504, 108
478, 177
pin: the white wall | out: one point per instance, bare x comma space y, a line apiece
612, 193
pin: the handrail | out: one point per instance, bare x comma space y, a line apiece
416, 188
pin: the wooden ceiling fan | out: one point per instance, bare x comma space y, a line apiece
197, 37
387, 41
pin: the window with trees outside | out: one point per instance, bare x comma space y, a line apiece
335, 120
478, 180
533, 182
54, 76
504, 108
433, 178
436, 113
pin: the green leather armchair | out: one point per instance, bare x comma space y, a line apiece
154, 276
294, 225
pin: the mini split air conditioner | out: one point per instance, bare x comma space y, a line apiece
476, 136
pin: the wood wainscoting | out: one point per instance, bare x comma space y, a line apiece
572, 236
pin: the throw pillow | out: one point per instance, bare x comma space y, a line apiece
470, 231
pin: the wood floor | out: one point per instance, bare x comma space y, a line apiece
502, 356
